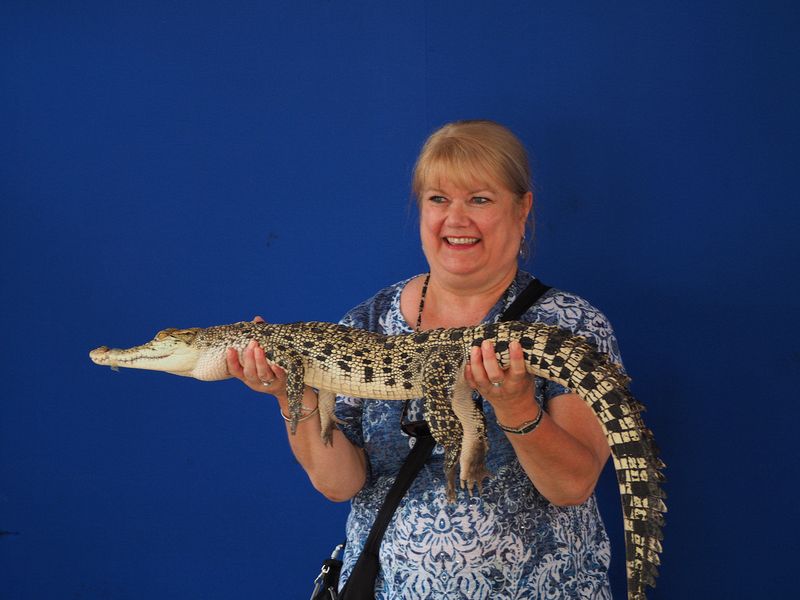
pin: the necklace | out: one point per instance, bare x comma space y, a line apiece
504, 299
422, 301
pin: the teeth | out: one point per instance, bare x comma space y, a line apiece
462, 240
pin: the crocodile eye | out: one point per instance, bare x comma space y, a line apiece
164, 333
185, 335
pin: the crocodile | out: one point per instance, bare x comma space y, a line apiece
336, 359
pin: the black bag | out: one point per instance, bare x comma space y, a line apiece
326, 585
361, 583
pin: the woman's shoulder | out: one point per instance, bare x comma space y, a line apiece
567, 309
380, 312
571, 311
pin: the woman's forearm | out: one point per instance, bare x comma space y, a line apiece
338, 470
564, 456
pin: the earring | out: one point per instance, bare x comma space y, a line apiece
524, 249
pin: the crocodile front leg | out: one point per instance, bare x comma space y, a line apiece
292, 363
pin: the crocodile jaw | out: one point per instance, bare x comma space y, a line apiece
171, 351
153, 358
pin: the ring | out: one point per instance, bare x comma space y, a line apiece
266, 383
497, 384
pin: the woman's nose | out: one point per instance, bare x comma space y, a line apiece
457, 214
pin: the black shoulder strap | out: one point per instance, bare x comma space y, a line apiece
525, 300
361, 583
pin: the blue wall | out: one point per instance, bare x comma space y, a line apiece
195, 163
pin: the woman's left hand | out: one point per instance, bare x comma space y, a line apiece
511, 390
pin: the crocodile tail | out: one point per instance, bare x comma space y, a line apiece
574, 362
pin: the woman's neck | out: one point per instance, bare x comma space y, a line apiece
460, 302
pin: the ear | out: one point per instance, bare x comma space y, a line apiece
525, 207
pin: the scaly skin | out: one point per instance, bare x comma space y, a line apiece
430, 364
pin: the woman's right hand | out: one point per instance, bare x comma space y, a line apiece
254, 370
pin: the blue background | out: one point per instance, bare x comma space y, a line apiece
197, 163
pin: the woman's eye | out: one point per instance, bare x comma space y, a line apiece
437, 199
480, 200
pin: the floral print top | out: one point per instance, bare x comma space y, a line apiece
507, 543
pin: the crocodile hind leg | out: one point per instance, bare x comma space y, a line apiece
474, 445
440, 371
327, 416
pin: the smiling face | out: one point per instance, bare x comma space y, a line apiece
473, 187
471, 229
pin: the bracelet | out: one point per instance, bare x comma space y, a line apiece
526, 427
308, 416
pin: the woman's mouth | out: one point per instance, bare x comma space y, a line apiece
461, 241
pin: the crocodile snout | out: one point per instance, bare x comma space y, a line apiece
99, 355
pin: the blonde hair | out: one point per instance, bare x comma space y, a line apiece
466, 152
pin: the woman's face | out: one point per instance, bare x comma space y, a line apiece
472, 231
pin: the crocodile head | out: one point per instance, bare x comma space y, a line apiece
178, 351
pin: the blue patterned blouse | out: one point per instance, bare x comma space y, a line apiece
509, 542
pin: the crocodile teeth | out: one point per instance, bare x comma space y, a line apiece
462, 241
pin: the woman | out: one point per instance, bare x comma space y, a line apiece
534, 531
